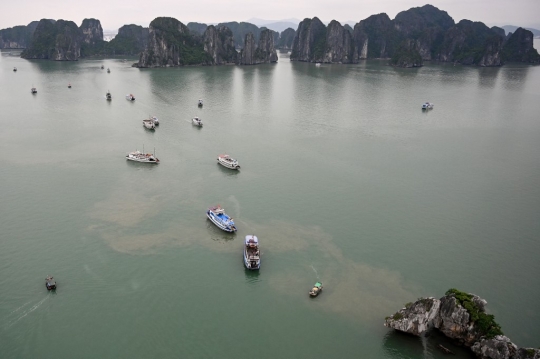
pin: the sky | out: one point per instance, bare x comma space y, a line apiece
115, 13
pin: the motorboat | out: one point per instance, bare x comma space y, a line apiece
155, 119
50, 283
318, 64
227, 161
316, 290
69, 86
138, 156
200, 104
196, 121
108, 96
149, 124
252, 257
427, 106
14, 69
33, 90
108, 70
218, 216
130, 97
102, 67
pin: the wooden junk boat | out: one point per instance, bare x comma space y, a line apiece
316, 290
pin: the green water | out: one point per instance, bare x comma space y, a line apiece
344, 179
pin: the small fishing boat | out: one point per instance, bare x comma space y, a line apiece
50, 283
149, 124
318, 64
14, 69
227, 161
155, 119
196, 121
33, 90
252, 258
427, 106
130, 97
108, 70
316, 290
69, 86
218, 216
108, 96
138, 156
102, 67
200, 104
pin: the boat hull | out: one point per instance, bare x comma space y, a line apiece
228, 165
141, 160
219, 224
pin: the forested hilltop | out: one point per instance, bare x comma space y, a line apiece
414, 36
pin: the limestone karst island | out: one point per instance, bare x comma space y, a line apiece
411, 38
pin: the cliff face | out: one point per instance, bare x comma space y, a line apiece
240, 30
17, 37
264, 53
462, 317
91, 31
286, 39
519, 47
374, 37
197, 28
59, 41
219, 44
309, 41
407, 55
171, 44
339, 45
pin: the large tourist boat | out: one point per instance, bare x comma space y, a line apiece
227, 161
218, 216
252, 257
50, 283
196, 121
138, 156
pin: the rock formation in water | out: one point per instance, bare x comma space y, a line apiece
219, 44
462, 317
130, 40
374, 37
286, 39
407, 55
58, 41
338, 44
265, 52
519, 48
18, 37
197, 28
309, 41
171, 44
240, 30
91, 37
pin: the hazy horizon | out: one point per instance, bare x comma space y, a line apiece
114, 14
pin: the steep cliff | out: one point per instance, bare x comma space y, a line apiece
130, 40
58, 41
286, 39
219, 44
374, 37
264, 53
171, 44
339, 45
91, 37
416, 318
309, 42
519, 47
18, 37
275, 34
240, 30
407, 55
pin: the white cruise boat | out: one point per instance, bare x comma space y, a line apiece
227, 161
218, 216
427, 106
130, 97
196, 121
149, 124
200, 104
138, 156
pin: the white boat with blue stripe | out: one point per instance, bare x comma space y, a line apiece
218, 216
252, 257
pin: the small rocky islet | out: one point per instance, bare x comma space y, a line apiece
461, 317
414, 36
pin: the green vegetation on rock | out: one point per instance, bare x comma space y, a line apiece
484, 323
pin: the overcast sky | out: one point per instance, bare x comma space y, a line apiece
115, 13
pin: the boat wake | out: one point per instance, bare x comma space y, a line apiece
317, 274
21, 312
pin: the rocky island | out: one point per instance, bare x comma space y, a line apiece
462, 317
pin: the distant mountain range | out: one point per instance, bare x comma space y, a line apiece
512, 28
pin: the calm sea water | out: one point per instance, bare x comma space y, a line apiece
344, 179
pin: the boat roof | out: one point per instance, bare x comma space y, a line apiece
318, 284
252, 239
